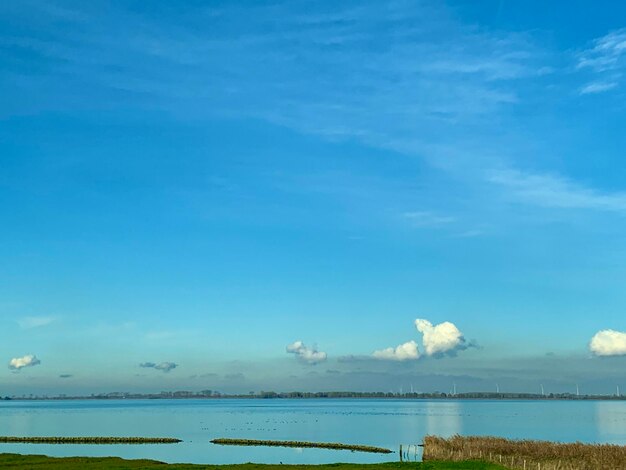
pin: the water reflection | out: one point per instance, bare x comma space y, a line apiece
611, 421
443, 418
20, 426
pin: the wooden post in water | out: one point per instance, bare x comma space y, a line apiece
400, 452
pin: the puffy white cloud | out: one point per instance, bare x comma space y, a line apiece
444, 338
163, 366
403, 352
18, 363
306, 354
608, 343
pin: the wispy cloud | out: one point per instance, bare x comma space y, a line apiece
597, 87
554, 191
470, 234
162, 366
606, 53
606, 58
399, 76
427, 219
236, 376
34, 322
323, 76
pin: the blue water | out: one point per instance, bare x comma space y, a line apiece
385, 423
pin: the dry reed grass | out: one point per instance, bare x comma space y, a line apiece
526, 454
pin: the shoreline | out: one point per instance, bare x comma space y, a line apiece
99, 440
19, 461
444, 397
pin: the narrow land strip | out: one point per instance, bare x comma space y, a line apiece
86, 440
301, 444
41, 462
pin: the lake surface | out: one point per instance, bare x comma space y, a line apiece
386, 423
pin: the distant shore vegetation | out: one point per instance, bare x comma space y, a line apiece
183, 394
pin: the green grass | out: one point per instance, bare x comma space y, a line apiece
41, 462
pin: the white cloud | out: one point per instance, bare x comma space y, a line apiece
34, 322
18, 363
597, 87
608, 343
306, 354
556, 191
444, 338
432, 67
606, 59
607, 52
163, 366
403, 352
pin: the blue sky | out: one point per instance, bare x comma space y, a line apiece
206, 183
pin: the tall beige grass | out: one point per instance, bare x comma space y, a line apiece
526, 454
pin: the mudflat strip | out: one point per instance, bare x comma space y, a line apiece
319, 445
86, 440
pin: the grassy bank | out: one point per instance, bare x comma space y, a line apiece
301, 444
40, 462
526, 454
86, 440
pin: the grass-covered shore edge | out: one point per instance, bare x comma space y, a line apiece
301, 444
37, 462
86, 440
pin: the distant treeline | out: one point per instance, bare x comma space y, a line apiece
271, 395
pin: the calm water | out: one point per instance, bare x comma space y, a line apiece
385, 423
